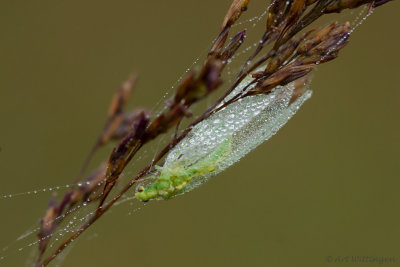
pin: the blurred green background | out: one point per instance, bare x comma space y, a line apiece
327, 185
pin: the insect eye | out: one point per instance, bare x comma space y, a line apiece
140, 189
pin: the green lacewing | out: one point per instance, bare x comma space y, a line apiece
221, 140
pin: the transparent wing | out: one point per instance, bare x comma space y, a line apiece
247, 123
